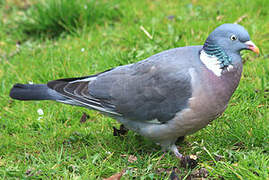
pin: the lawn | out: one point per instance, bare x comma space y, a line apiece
40, 42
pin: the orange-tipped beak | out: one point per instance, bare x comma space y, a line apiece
251, 46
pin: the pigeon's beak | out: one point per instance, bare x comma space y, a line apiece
251, 46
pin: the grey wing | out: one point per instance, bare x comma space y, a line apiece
144, 91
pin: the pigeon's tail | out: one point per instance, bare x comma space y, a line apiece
26, 92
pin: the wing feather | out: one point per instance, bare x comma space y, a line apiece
76, 91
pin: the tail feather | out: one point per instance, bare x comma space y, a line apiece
34, 92
72, 91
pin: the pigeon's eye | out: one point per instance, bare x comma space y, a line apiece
233, 37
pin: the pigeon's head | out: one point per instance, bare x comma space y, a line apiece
231, 38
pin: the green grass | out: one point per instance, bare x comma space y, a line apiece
51, 18
58, 146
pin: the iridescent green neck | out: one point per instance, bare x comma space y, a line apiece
215, 50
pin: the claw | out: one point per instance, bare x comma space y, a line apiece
188, 162
119, 132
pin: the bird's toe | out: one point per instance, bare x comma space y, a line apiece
188, 162
120, 132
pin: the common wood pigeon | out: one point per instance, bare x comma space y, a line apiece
168, 95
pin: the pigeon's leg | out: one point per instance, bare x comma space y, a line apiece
160, 133
175, 151
185, 161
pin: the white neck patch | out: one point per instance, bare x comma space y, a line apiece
211, 62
